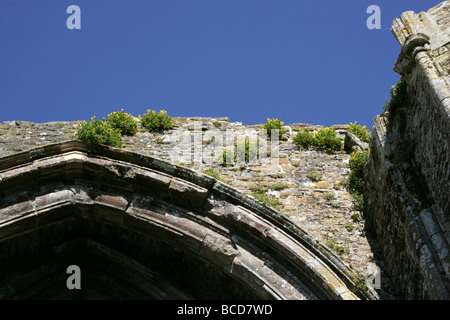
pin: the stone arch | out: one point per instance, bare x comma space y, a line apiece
140, 227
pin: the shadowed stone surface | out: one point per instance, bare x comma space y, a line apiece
408, 172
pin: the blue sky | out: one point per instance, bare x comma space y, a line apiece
300, 61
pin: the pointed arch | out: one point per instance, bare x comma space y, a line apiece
139, 227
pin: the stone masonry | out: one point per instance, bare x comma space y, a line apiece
405, 229
408, 171
324, 208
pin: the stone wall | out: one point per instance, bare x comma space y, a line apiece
408, 169
143, 228
407, 173
324, 208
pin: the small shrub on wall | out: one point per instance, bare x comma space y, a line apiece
249, 152
397, 99
327, 140
356, 176
99, 132
213, 173
126, 123
355, 180
324, 139
360, 131
156, 122
274, 124
304, 139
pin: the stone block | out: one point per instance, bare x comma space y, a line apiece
322, 185
15, 210
54, 199
288, 167
111, 200
187, 194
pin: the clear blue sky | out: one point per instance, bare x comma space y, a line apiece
300, 61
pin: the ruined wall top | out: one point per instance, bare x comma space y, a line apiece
409, 148
424, 31
435, 23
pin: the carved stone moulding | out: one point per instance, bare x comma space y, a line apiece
145, 228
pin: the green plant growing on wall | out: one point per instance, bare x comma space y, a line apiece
277, 175
304, 139
179, 162
335, 205
338, 248
397, 99
360, 131
213, 173
355, 217
356, 177
156, 122
251, 150
259, 188
314, 177
97, 132
126, 123
259, 192
160, 140
349, 227
359, 201
360, 283
230, 157
324, 139
329, 196
279, 186
274, 124
327, 140
275, 203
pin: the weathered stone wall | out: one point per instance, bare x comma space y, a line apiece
141, 227
324, 208
407, 173
408, 169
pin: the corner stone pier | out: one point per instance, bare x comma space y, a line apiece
408, 172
